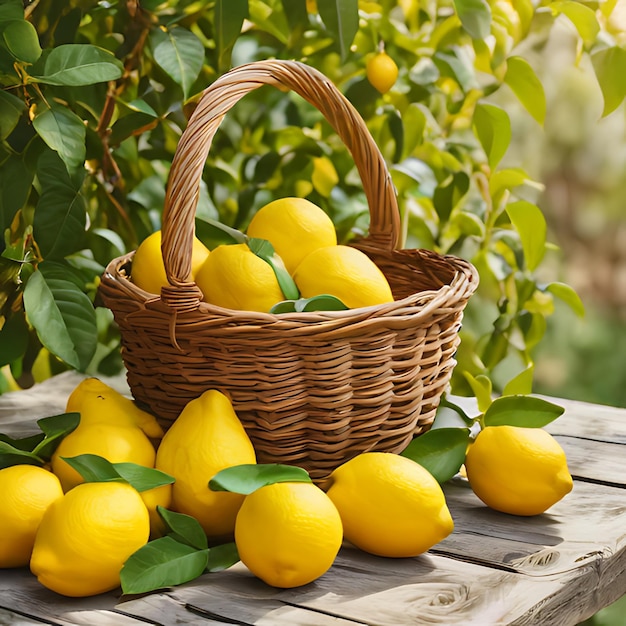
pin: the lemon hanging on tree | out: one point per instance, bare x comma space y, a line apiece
381, 71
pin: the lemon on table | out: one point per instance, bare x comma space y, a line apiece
148, 271
235, 278
27, 491
117, 444
288, 534
295, 227
343, 272
86, 536
381, 71
206, 437
517, 470
389, 505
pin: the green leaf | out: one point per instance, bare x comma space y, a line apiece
264, 250
222, 557
162, 563
475, 15
228, 21
506, 179
530, 223
13, 339
521, 384
180, 53
11, 10
15, 187
568, 295
94, 468
608, 65
526, 411
184, 528
54, 428
296, 13
249, 477
482, 388
64, 132
583, 17
341, 18
493, 129
60, 215
21, 40
74, 65
322, 302
521, 78
11, 455
11, 109
62, 315
440, 451
142, 478
236, 235
450, 415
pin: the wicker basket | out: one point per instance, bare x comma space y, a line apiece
312, 389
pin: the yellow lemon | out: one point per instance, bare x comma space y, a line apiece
205, 438
235, 278
86, 536
343, 272
117, 444
381, 71
97, 402
158, 496
27, 491
148, 271
521, 471
288, 534
389, 505
295, 227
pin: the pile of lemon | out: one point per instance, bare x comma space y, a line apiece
303, 237
76, 536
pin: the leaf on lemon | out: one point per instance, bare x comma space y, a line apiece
183, 528
265, 250
525, 411
247, 478
222, 557
440, 451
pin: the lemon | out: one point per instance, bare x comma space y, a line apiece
343, 272
97, 402
148, 271
295, 227
381, 71
27, 491
235, 278
389, 505
205, 438
288, 534
86, 536
516, 470
158, 496
117, 444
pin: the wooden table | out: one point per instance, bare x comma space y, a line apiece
558, 568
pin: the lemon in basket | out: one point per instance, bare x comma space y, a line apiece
295, 227
86, 536
205, 438
288, 534
517, 470
343, 272
389, 505
27, 491
148, 271
234, 277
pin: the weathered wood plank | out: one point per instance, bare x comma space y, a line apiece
9, 618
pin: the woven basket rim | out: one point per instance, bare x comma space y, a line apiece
465, 278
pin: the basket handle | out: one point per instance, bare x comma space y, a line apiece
193, 149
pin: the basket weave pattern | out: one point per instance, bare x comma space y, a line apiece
312, 389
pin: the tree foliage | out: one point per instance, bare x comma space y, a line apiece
95, 96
